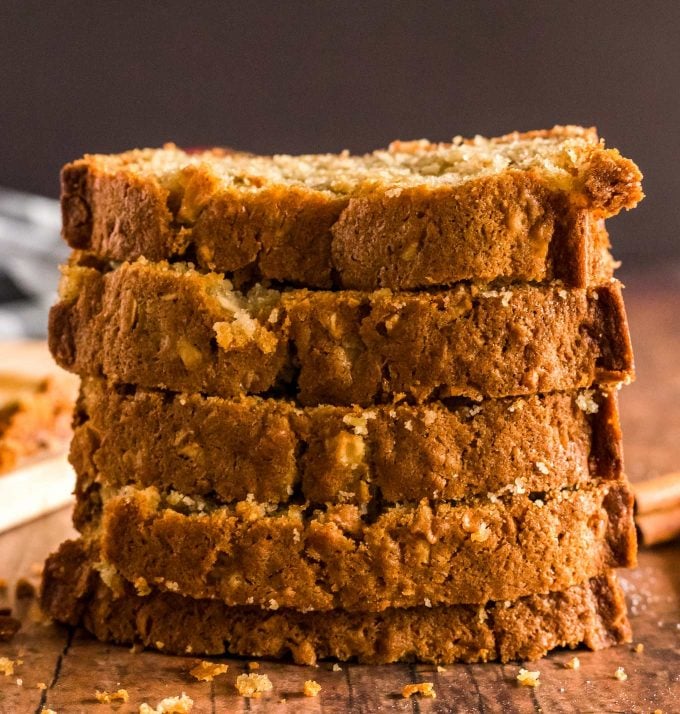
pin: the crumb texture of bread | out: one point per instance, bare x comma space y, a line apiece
273, 451
523, 207
342, 556
158, 326
592, 613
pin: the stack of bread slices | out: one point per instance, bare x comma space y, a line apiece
357, 407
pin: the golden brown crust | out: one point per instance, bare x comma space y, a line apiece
593, 614
336, 557
153, 326
227, 449
517, 224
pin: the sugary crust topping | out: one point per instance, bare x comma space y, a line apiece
564, 157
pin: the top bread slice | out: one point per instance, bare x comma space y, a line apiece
522, 207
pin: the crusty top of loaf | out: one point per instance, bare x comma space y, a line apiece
568, 157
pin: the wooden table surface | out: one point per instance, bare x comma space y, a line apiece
72, 665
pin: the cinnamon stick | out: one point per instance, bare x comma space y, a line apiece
659, 526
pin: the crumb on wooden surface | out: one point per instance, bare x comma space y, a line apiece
252, 685
311, 688
620, 674
206, 671
639, 648
104, 697
336, 667
441, 669
7, 665
573, 663
47, 711
41, 685
528, 678
253, 665
170, 705
425, 689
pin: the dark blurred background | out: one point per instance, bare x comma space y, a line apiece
322, 76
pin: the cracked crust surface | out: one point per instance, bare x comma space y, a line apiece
345, 557
170, 327
524, 207
228, 449
592, 613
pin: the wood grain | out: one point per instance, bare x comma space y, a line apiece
73, 665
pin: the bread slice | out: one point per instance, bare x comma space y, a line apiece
348, 557
522, 207
269, 449
162, 326
592, 613
35, 417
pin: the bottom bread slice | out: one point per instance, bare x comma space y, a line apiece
593, 614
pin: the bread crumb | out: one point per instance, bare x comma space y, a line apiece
105, 697
311, 688
7, 666
440, 669
427, 602
586, 403
141, 586
170, 705
41, 685
159, 645
359, 422
253, 665
336, 667
206, 671
620, 674
639, 648
528, 678
425, 689
273, 604
481, 534
573, 663
20, 682
47, 711
252, 685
